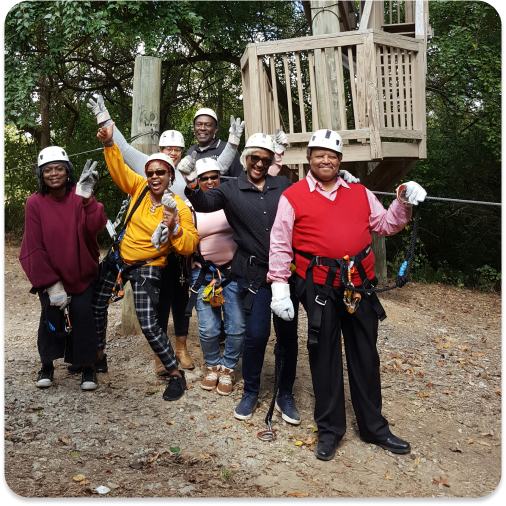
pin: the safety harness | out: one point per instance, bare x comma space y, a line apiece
254, 277
114, 262
207, 266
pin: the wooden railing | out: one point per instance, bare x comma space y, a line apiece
371, 84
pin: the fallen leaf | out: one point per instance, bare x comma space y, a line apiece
482, 443
471, 441
227, 426
310, 426
298, 494
298, 443
421, 374
210, 416
429, 384
107, 471
174, 449
417, 461
443, 482
252, 455
387, 475
191, 417
64, 440
84, 482
205, 456
79, 477
423, 394
315, 480
435, 482
170, 423
370, 457
439, 347
465, 347
447, 345
346, 463
74, 454
441, 363
499, 391
436, 340
315, 429
476, 354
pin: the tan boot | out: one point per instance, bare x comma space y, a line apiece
185, 361
160, 368
211, 378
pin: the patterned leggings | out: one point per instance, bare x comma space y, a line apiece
147, 312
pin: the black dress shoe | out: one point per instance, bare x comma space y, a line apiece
392, 443
324, 451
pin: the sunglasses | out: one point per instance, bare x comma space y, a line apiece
176, 151
203, 179
266, 162
158, 172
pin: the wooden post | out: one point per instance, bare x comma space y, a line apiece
327, 22
145, 116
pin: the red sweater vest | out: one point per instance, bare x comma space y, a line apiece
329, 228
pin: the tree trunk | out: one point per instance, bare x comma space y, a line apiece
45, 100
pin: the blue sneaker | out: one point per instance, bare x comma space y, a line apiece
286, 405
244, 410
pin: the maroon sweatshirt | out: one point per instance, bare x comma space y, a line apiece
60, 241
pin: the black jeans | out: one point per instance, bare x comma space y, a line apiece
173, 295
258, 330
360, 332
80, 346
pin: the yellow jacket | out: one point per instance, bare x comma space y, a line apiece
136, 244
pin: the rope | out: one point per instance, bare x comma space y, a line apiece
152, 132
448, 200
279, 353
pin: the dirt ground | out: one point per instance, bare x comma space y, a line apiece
440, 349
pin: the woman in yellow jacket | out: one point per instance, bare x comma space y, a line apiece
159, 225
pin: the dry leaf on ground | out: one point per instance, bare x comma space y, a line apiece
298, 494
443, 482
79, 477
387, 475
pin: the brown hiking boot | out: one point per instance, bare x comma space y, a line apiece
160, 368
211, 378
185, 361
226, 381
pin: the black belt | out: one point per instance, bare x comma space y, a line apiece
206, 266
251, 288
321, 300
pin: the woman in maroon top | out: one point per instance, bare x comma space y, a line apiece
60, 254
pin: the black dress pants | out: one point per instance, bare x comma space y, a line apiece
360, 332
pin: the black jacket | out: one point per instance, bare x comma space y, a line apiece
249, 211
214, 151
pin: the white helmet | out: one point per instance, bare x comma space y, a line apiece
171, 138
260, 140
207, 112
205, 165
327, 139
162, 157
52, 154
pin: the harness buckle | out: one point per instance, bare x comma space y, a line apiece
250, 259
318, 261
254, 292
320, 301
191, 288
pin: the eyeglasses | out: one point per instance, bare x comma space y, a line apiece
203, 179
266, 162
158, 172
176, 151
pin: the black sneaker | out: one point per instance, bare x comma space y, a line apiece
100, 366
45, 377
89, 379
176, 388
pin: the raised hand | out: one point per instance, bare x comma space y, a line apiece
105, 133
235, 131
89, 177
280, 141
187, 168
98, 109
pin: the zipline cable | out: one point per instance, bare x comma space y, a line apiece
91, 150
447, 200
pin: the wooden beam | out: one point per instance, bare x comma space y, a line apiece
288, 93
307, 43
345, 134
396, 40
371, 83
254, 91
419, 19
314, 98
301, 94
364, 20
274, 92
398, 133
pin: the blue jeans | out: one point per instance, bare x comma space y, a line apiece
210, 325
258, 330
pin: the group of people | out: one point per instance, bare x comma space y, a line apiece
236, 251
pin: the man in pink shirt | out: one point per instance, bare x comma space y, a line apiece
328, 224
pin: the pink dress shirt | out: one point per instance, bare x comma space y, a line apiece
382, 222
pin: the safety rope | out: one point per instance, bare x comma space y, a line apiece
279, 353
460, 201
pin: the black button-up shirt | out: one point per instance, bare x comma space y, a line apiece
249, 211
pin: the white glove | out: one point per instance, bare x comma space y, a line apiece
281, 304
89, 177
411, 193
280, 141
57, 295
170, 206
235, 131
187, 168
160, 236
98, 109
349, 178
